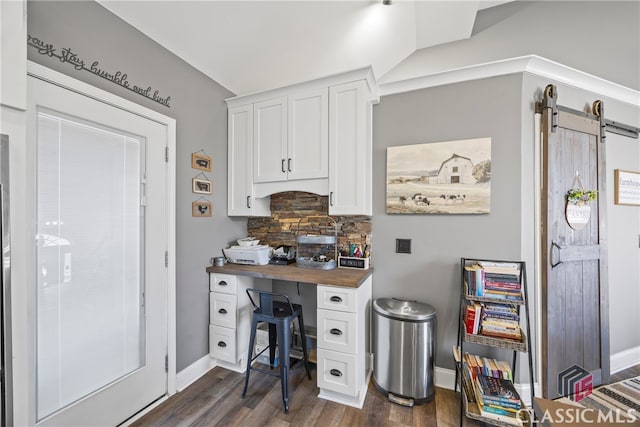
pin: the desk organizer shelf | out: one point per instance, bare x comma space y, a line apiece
317, 243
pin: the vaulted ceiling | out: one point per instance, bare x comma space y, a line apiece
248, 46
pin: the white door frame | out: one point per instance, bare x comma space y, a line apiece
23, 229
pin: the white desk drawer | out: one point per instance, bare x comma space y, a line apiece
337, 331
222, 343
337, 298
222, 309
337, 372
225, 283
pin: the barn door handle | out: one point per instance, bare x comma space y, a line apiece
559, 248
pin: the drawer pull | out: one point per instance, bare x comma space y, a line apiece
222, 344
335, 331
335, 298
222, 311
222, 283
335, 373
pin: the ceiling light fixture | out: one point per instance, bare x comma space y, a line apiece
386, 2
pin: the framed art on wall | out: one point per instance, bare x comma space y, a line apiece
201, 186
201, 161
200, 208
626, 187
452, 177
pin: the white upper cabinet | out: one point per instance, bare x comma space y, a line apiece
314, 137
350, 148
270, 140
241, 200
308, 134
290, 137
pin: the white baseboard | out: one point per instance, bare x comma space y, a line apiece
193, 372
625, 359
444, 378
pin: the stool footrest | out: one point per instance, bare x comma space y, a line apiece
262, 371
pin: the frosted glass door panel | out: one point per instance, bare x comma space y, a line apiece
90, 318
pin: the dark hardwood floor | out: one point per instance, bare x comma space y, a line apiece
214, 400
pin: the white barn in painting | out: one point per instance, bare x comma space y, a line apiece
456, 170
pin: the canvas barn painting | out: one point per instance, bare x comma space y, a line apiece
452, 177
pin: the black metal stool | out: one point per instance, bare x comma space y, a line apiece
278, 312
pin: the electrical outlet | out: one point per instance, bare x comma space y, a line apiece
403, 246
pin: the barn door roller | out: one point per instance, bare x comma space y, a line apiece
549, 100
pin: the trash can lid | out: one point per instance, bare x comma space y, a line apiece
404, 310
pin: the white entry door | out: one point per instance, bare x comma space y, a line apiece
100, 297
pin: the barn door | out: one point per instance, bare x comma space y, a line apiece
575, 319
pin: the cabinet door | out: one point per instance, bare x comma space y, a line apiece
270, 140
308, 135
240, 128
240, 198
350, 149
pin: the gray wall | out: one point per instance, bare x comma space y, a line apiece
596, 37
491, 108
197, 104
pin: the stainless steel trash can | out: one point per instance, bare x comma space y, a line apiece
404, 349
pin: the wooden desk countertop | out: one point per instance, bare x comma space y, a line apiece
347, 277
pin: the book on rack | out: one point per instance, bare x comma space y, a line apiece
498, 267
493, 280
478, 365
498, 399
500, 321
474, 278
498, 389
472, 317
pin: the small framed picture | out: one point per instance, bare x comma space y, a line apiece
200, 208
201, 186
201, 162
626, 187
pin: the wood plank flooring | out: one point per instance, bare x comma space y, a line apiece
214, 400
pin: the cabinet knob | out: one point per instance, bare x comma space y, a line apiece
222, 344
331, 198
335, 373
249, 202
222, 283
335, 298
283, 170
289, 165
222, 311
335, 331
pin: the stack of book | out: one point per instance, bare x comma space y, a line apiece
477, 365
501, 321
498, 399
501, 280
